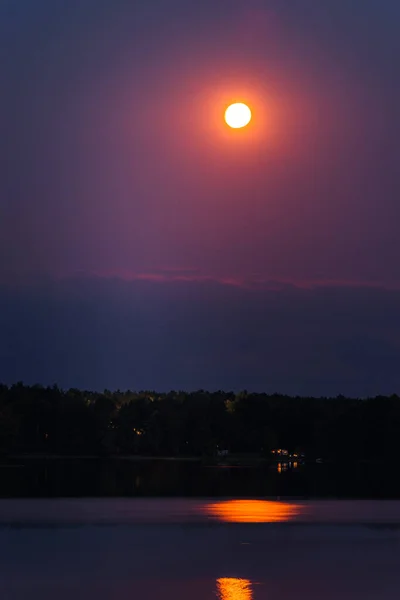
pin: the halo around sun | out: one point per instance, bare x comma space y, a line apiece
238, 115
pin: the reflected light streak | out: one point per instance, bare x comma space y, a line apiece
231, 588
253, 511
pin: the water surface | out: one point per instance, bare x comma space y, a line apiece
229, 549
143, 478
170, 530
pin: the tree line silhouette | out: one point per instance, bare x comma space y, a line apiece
48, 420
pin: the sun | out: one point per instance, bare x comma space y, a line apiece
238, 115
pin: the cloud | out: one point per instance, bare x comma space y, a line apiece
253, 281
97, 332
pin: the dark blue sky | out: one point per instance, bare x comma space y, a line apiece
143, 245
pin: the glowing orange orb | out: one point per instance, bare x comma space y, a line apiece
238, 115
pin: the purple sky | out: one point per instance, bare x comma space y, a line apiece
177, 252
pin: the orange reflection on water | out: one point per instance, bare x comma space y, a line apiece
231, 588
252, 511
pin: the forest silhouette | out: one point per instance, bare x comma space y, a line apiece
48, 420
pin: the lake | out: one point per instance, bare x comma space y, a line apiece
232, 544
138, 478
